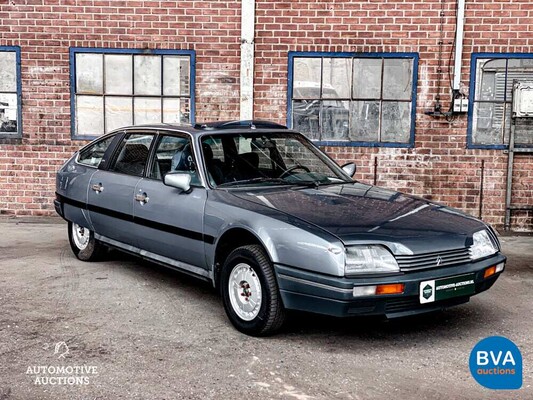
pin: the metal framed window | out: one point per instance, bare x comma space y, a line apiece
353, 99
111, 88
10, 92
489, 116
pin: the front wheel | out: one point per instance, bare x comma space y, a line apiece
250, 292
82, 242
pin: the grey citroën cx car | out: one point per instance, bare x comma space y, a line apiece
272, 221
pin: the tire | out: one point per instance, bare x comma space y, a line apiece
250, 292
82, 242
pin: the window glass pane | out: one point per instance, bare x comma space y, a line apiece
305, 117
94, 154
89, 115
336, 77
133, 155
365, 121
517, 71
8, 71
397, 78
367, 78
175, 110
118, 74
334, 120
493, 65
396, 121
89, 73
487, 123
147, 71
167, 148
306, 79
118, 112
147, 110
488, 86
524, 131
174, 154
490, 77
176, 76
8, 112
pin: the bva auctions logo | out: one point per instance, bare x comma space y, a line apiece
496, 363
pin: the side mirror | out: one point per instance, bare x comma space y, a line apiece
349, 169
178, 180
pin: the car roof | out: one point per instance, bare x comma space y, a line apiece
212, 127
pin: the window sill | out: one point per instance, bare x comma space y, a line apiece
518, 147
10, 138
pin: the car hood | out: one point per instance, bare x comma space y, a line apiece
359, 212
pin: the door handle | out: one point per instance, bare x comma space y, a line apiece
97, 187
142, 198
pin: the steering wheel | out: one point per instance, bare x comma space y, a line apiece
295, 167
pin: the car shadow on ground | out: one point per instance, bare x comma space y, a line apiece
463, 318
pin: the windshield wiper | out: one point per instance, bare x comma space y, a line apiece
318, 183
262, 179
336, 183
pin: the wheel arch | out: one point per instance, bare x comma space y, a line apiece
233, 238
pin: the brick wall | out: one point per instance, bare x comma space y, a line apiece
46, 31
438, 167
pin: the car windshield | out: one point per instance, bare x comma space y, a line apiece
258, 159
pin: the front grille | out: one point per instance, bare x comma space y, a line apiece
412, 304
436, 259
402, 304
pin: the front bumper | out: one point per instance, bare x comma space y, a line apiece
324, 294
59, 207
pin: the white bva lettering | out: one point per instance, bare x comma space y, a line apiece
483, 358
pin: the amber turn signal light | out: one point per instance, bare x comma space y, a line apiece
489, 272
395, 288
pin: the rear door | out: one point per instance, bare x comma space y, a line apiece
169, 221
73, 179
111, 192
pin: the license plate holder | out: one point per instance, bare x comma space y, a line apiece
446, 288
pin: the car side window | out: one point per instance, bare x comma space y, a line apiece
174, 154
92, 155
133, 154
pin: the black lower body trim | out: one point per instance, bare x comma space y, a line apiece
136, 220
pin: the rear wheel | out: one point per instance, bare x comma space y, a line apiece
250, 292
82, 242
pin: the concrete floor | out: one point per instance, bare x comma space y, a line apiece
145, 332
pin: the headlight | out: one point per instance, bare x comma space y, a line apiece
369, 259
483, 245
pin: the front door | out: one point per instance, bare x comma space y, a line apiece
170, 221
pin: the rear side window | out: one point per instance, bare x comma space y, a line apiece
133, 154
93, 155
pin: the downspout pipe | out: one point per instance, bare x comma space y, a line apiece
247, 60
459, 45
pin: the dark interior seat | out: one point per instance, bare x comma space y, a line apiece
132, 159
250, 160
214, 166
246, 166
182, 160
